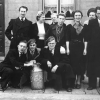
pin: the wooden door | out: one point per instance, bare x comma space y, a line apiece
2, 27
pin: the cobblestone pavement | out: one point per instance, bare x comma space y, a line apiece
50, 94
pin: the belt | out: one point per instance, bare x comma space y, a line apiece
76, 41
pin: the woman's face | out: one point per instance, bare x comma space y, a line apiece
42, 19
77, 16
92, 15
32, 46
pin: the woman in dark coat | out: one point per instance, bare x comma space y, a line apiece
40, 29
93, 52
75, 47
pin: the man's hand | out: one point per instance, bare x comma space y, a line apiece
28, 64
54, 68
49, 64
34, 61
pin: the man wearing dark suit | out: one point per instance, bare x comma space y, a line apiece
19, 28
12, 68
58, 64
59, 31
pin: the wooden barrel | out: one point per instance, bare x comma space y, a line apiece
37, 79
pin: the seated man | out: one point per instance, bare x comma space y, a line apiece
11, 69
58, 64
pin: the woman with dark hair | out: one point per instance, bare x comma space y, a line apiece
75, 47
91, 13
93, 50
40, 29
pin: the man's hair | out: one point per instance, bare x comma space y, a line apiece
76, 12
23, 7
91, 10
51, 38
31, 41
97, 8
61, 14
53, 14
23, 41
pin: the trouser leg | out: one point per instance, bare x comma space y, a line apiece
5, 77
92, 81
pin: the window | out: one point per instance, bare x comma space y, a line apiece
58, 6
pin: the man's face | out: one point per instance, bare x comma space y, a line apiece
22, 12
32, 46
61, 20
78, 16
98, 14
22, 47
52, 44
54, 18
92, 15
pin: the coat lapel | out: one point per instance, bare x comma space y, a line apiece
21, 24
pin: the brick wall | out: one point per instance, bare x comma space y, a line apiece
11, 11
12, 6
86, 4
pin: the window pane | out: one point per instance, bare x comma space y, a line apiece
67, 7
49, 7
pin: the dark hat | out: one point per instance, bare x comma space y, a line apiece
90, 10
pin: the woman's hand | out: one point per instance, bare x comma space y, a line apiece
68, 51
85, 52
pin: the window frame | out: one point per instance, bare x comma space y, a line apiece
59, 8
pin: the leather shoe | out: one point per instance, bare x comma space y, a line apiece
69, 89
90, 88
78, 86
3, 88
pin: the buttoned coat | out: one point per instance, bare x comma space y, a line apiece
53, 32
18, 30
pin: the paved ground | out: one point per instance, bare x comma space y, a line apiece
50, 94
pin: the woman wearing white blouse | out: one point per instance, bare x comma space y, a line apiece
40, 29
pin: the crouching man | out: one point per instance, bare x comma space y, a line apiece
57, 64
12, 68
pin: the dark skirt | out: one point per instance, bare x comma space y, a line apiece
77, 59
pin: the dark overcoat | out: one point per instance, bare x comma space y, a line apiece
63, 35
93, 50
18, 30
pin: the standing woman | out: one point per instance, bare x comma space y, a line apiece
40, 29
75, 47
91, 13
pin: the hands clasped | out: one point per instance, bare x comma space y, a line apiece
30, 63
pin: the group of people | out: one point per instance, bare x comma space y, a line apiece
65, 52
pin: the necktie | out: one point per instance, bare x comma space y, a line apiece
22, 19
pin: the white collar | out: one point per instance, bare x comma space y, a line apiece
22, 18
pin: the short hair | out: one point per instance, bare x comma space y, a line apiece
53, 14
51, 38
22, 41
77, 11
39, 14
61, 14
91, 10
23, 7
31, 41
97, 8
